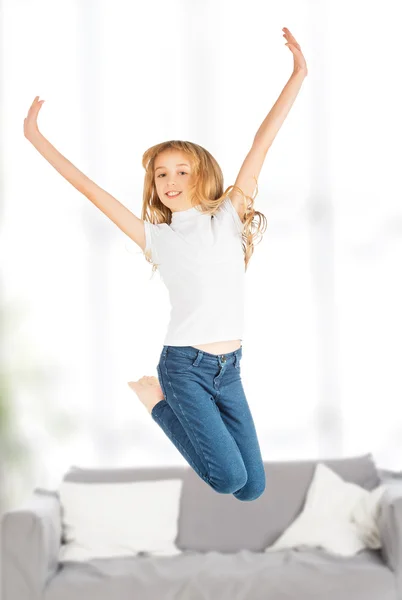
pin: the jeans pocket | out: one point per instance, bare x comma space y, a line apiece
178, 363
160, 378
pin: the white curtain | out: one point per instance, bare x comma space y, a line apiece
322, 350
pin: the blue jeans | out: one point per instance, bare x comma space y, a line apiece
206, 415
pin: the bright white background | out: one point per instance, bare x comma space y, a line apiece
322, 350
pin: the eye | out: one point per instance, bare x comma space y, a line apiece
162, 174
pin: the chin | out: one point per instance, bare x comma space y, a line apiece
174, 206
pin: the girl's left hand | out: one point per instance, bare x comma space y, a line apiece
299, 63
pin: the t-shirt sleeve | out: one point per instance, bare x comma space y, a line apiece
231, 213
154, 234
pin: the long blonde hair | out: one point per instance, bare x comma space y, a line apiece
207, 190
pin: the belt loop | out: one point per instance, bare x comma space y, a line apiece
198, 358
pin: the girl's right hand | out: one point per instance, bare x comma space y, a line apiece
30, 123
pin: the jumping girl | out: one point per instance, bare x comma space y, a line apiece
199, 238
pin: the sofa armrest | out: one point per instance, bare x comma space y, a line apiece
30, 543
390, 528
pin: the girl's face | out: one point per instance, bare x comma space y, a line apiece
173, 173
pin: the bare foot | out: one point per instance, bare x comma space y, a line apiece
148, 391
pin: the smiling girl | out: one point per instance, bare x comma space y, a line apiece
200, 238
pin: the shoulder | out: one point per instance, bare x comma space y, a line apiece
236, 201
154, 235
156, 228
228, 208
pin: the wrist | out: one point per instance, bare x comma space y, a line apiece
33, 136
300, 71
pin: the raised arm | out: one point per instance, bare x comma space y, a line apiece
110, 206
252, 165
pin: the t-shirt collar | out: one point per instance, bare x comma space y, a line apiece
185, 215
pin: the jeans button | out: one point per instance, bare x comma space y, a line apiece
223, 357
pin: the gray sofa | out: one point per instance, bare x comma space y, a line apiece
222, 540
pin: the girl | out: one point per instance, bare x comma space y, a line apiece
200, 240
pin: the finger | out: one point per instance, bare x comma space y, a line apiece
293, 48
295, 45
286, 30
292, 37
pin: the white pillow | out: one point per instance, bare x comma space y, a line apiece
365, 516
102, 520
338, 516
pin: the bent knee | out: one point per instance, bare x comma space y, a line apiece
232, 481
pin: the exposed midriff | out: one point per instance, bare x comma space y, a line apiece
220, 347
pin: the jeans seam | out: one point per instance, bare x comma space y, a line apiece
200, 452
158, 368
177, 440
194, 466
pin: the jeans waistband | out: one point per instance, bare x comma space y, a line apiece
193, 353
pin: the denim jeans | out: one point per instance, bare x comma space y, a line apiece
206, 415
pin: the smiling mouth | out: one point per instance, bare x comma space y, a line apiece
173, 195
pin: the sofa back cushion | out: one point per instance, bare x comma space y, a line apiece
212, 521
122, 474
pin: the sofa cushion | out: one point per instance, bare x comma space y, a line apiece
327, 518
212, 521
286, 574
102, 520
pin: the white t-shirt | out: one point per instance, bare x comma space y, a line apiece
201, 261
